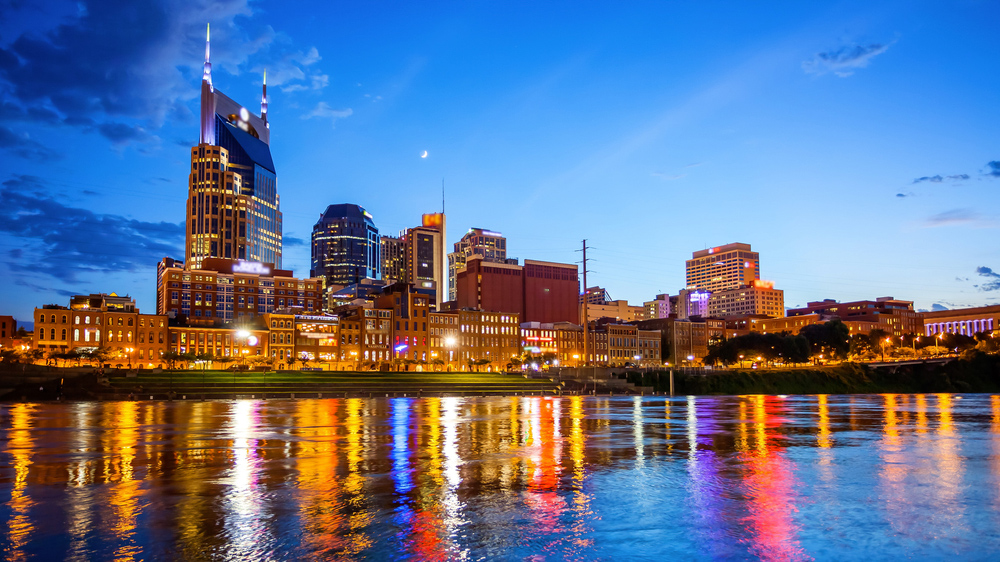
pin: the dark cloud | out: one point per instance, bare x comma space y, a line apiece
122, 69
993, 169
904, 195
939, 178
993, 283
938, 307
25, 147
44, 289
121, 133
845, 60
63, 242
292, 241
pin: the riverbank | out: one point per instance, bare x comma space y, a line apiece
62, 384
978, 373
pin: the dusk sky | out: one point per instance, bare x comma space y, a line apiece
855, 145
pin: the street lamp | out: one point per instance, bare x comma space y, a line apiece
129, 350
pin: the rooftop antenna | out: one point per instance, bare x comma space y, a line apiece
442, 196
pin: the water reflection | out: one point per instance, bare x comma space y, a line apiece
522, 477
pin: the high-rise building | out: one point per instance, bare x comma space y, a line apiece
723, 267
393, 254
232, 204
345, 246
492, 246
426, 256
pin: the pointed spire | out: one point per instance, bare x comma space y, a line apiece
207, 77
263, 101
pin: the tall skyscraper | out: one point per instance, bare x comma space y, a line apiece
492, 246
345, 246
723, 267
393, 259
426, 256
232, 206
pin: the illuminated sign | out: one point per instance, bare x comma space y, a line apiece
433, 219
254, 267
761, 284
537, 338
401, 347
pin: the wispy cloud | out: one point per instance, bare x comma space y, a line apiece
844, 60
324, 111
668, 177
993, 283
940, 179
953, 217
907, 194
24, 146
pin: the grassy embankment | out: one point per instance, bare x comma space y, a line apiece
224, 384
979, 373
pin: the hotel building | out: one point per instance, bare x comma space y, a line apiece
426, 256
724, 267
491, 246
757, 298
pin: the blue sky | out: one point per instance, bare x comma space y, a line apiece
850, 143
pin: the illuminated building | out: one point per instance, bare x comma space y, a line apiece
232, 204
723, 267
660, 307
444, 337
345, 246
281, 328
681, 339
757, 298
426, 256
365, 336
968, 321
792, 325
410, 308
491, 246
488, 337
246, 344
896, 317
230, 290
692, 302
102, 321
316, 340
537, 292
393, 254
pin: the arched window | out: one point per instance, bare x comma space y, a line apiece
53, 318
129, 321
64, 320
130, 336
76, 320
63, 334
86, 319
142, 337
97, 320
274, 338
76, 332
119, 320
97, 335
52, 335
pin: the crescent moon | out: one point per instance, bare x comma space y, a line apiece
424, 155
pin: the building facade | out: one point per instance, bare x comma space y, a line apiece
758, 298
489, 245
724, 267
427, 257
393, 255
968, 321
232, 291
232, 208
896, 317
536, 292
345, 246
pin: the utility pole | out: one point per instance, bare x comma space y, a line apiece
586, 356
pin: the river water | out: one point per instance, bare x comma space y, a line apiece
536, 478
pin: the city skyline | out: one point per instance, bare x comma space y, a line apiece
854, 150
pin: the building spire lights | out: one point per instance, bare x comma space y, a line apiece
263, 102
207, 77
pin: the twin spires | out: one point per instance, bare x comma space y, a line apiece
207, 76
